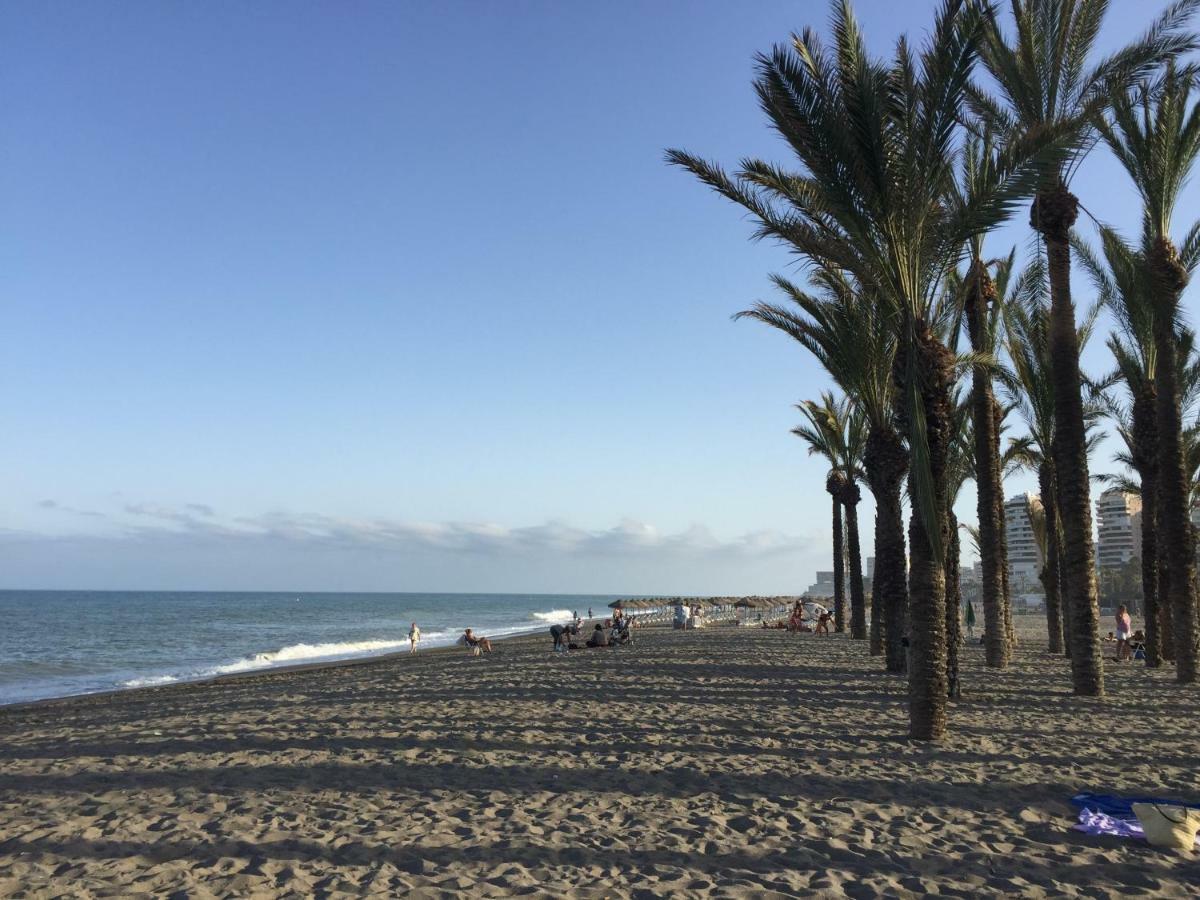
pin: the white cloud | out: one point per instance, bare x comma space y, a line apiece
193, 546
154, 521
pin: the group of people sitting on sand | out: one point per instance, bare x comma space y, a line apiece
797, 621
609, 633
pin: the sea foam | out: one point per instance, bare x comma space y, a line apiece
149, 681
554, 615
301, 653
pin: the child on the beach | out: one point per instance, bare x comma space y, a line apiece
414, 637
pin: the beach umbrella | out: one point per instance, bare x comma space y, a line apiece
815, 609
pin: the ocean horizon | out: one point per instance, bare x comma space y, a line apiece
68, 643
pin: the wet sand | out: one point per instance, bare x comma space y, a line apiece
725, 763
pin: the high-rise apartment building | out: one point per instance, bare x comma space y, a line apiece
1119, 521
1024, 553
823, 586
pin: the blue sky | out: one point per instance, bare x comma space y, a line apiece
403, 297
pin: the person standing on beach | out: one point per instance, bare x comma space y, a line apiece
414, 637
590, 612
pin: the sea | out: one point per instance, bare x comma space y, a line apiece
65, 643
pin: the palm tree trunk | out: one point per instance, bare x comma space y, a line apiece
1002, 528
927, 677
1173, 492
839, 570
875, 637
1062, 573
981, 293
886, 460
1150, 605
1053, 214
891, 579
858, 610
953, 607
1049, 578
1150, 585
1010, 630
1165, 621
1145, 458
1062, 593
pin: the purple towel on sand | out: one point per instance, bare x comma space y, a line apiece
1091, 822
1106, 814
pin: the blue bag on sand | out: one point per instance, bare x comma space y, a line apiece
1121, 807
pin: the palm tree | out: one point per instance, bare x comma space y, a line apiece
878, 144
1043, 538
961, 465
980, 301
1045, 81
835, 430
1123, 283
840, 324
1156, 138
839, 554
1030, 384
1134, 425
1048, 534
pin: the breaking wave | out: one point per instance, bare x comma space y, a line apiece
149, 681
301, 653
554, 615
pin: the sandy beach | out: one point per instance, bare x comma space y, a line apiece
727, 762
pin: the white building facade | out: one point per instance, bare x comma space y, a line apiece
1025, 559
1119, 528
824, 586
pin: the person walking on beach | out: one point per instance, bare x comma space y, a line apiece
589, 612
414, 637
1124, 628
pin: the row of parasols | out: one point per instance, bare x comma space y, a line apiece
737, 602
